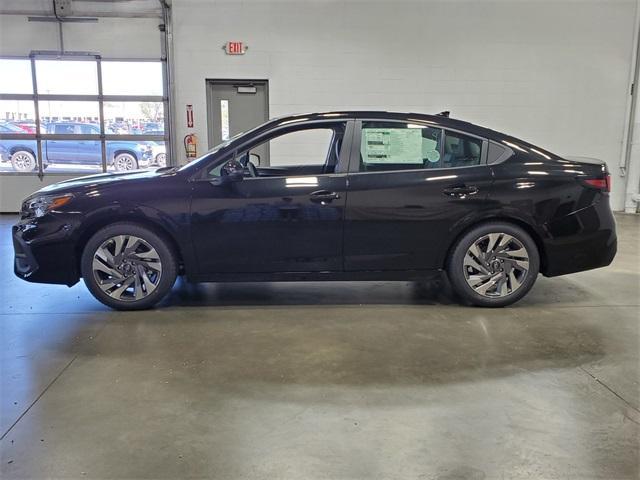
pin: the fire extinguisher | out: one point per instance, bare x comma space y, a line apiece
190, 145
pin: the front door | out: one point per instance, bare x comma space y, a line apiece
409, 185
286, 216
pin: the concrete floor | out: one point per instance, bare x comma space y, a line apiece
335, 380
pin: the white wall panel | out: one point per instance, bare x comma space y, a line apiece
551, 72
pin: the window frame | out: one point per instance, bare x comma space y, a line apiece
42, 134
354, 157
341, 167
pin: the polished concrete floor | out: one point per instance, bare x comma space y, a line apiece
336, 380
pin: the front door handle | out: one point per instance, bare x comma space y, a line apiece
460, 190
323, 196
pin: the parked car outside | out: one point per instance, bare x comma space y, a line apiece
159, 151
26, 126
389, 196
122, 155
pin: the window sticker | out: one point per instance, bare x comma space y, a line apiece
433, 156
392, 145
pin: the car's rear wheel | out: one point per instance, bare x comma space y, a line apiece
23, 161
128, 267
161, 159
493, 265
125, 162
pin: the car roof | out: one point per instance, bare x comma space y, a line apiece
436, 120
439, 120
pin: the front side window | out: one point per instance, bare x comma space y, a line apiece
303, 151
386, 146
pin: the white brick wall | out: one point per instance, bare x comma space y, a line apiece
552, 72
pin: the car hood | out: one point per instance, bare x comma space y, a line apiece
90, 181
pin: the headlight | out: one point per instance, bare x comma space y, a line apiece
42, 204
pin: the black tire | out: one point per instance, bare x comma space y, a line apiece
456, 268
165, 254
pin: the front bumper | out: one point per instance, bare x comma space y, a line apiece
44, 252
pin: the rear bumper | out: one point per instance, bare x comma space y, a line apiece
44, 253
584, 240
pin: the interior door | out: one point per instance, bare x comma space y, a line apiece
235, 106
408, 186
288, 222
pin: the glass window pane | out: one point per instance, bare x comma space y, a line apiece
80, 155
17, 116
15, 76
67, 77
399, 146
18, 156
133, 118
461, 150
123, 155
132, 78
61, 117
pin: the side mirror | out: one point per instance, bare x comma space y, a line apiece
231, 172
256, 157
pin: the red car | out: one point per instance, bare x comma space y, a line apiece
28, 127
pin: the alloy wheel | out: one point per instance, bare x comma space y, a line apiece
496, 265
127, 268
125, 162
23, 162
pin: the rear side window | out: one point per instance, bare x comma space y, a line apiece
66, 129
386, 146
461, 150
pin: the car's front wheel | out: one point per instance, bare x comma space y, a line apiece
128, 267
125, 162
493, 265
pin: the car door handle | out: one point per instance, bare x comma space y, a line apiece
323, 196
460, 190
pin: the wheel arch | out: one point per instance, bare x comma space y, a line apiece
20, 148
98, 223
120, 151
533, 233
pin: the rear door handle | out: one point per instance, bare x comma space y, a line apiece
323, 196
460, 190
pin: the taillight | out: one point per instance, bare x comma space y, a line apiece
603, 184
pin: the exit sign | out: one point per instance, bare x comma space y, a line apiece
235, 48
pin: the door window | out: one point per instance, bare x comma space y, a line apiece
302, 147
461, 150
306, 151
388, 146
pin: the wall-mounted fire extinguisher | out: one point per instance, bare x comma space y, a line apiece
191, 145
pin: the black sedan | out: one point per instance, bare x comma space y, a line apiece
328, 196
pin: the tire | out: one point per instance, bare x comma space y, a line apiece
124, 162
23, 161
493, 276
161, 160
147, 272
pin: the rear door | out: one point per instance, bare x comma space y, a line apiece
409, 185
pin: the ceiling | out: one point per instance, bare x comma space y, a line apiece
84, 8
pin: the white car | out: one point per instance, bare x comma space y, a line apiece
158, 154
